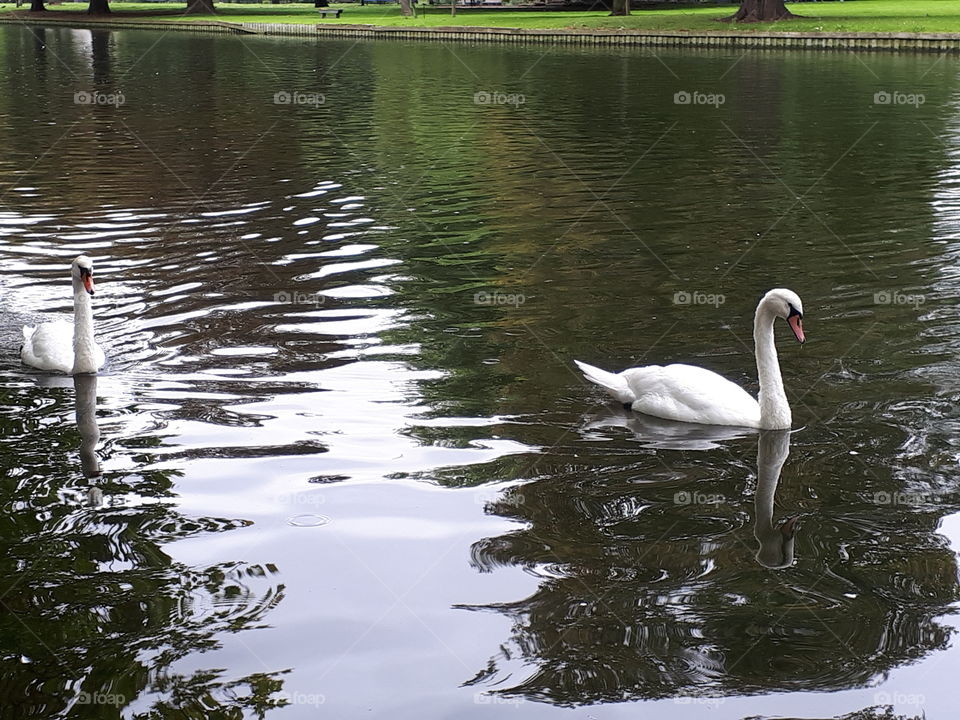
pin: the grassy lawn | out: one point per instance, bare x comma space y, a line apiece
850, 16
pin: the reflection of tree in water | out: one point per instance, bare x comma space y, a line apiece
640, 597
93, 608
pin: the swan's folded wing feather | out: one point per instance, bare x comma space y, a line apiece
49, 346
691, 394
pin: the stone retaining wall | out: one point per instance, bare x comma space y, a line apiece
896, 42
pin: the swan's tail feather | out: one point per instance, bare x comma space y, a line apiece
614, 384
26, 347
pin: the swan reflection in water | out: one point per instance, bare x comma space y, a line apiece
657, 434
776, 541
85, 388
773, 446
633, 590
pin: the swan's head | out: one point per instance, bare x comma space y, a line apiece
82, 272
776, 548
788, 305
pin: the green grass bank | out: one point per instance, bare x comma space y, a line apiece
882, 16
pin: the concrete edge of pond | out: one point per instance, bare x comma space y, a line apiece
896, 42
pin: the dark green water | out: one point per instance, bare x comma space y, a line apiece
347, 465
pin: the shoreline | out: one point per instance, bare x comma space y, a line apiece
866, 41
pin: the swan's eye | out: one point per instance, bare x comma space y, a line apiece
86, 277
794, 312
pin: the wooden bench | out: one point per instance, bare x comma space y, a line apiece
330, 11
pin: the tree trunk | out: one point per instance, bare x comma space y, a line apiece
620, 7
199, 7
406, 9
99, 7
760, 11
37, 6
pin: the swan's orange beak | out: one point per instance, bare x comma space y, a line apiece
87, 278
789, 527
796, 324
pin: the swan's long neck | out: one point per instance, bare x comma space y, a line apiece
83, 342
774, 408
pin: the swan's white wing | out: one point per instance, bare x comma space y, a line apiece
99, 357
691, 394
49, 346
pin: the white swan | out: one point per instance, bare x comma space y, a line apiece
694, 394
59, 346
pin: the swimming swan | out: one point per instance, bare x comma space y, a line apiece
693, 394
59, 346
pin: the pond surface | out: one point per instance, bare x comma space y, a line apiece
347, 464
